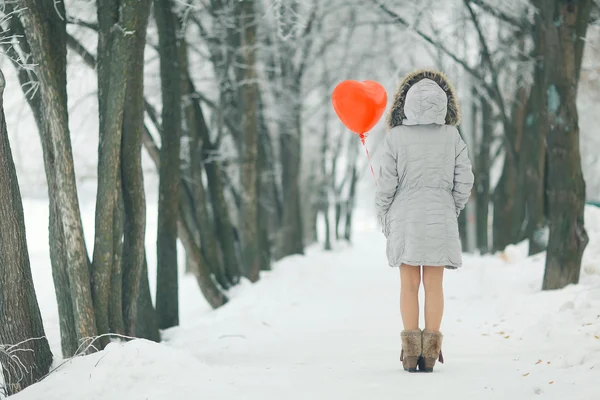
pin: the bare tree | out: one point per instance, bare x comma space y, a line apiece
146, 325
120, 203
250, 173
167, 303
25, 355
565, 24
44, 25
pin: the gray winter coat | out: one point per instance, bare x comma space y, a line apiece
425, 176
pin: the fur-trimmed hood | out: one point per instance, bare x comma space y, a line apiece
424, 97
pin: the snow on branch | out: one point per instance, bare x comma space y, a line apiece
8, 37
289, 22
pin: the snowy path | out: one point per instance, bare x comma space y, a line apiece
326, 326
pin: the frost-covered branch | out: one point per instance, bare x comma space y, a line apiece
431, 41
494, 72
520, 23
12, 370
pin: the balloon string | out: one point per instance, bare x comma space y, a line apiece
362, 139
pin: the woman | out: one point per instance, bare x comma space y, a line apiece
425, 180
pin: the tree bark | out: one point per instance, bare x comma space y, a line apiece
482, 184
223, 226
207, 285
116, 323
504, 198
58, 255
565, 26
462, 229
132, 184
45, 30
519, 114
267, 194
326, 179
26, 356
291, 234
250, 175
133, 195
509, 202
146, 321
167, 303
534, 145
350, 203
201, 219
120, 24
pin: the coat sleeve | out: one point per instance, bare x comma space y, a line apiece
463, 175
387, 183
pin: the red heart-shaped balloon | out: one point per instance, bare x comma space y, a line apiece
359, 105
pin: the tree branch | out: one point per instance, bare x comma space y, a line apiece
517, 23
151, 146
308, 42
496, 88
433, 42
90, 25
87, 57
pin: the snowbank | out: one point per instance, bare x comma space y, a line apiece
326, 326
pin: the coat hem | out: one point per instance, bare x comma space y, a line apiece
446, 265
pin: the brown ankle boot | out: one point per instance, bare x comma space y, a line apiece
411, 349
432, 350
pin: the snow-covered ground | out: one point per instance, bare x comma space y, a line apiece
326, 326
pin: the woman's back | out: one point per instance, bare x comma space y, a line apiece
425, 176
426, 154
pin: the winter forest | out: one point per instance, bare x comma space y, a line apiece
183, 215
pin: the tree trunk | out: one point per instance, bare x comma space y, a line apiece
223, 226
504, 198
309, 199
565, 25
133, 195
208, 240
326, 179
519, 215
462, 229
534, 145
271, 194
207, 285
350, 203
291, 234
116, 323
267, 194
26, 356
482, 174
58, 255
509, 201
45, 29
132, 183
167, 303
250, 175
146, 321
337, 191
115, 49
191, 168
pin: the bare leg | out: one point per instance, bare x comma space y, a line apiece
410, 280
434, 297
